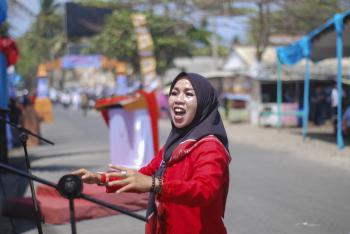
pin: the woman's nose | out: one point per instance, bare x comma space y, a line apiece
180, 97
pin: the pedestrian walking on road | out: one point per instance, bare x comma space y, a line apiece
188, 178
84, 103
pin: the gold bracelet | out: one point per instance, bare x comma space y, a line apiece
160, 186
153, 187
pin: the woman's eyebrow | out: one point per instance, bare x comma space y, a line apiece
186, 89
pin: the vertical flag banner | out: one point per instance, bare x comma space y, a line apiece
43, 87
148, 63
121, 79
43, 105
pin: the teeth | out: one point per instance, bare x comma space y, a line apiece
179, 110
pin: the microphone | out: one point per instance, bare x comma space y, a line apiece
70, 186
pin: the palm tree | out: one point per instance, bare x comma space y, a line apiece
43, 41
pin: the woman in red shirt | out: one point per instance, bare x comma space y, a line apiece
188, 179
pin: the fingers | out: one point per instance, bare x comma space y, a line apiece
119, 174
134, 181
125, 188
118, 168
86, 176
119, 182
81, 172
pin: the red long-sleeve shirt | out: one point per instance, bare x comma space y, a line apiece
195, 187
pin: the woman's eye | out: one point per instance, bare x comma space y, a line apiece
190, 94
173, 93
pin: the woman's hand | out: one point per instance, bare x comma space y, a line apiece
88, 176
130, 179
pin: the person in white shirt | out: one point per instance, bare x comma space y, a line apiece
334, 104
334, 100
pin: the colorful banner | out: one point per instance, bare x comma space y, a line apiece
74, 61
42, 104
121, 85
14, 80
43, 87
148, 63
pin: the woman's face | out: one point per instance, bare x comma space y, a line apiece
182, 103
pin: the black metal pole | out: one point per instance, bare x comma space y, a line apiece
27, 131
24, 137
72, 216
24, 174
113, 207
69, 189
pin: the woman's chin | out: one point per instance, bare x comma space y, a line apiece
179, 122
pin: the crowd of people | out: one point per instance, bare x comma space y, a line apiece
324, 106
76, 99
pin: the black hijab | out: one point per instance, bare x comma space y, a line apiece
207, 121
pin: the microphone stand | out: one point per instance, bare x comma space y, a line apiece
23, 136
71, 187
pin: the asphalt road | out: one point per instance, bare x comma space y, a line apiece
271, 192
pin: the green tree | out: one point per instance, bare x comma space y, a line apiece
260, 26
172, 38
187, 14
301, 18
287, 17
43, 41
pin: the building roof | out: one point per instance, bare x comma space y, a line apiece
323, 70
203, 65
241, 61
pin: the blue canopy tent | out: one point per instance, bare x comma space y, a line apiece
331, 40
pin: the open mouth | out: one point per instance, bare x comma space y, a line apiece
179, 112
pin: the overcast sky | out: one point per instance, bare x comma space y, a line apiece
20, 20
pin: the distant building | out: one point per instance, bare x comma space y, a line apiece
282, 39
241, 78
